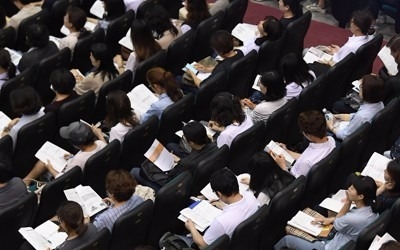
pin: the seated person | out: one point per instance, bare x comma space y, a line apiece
228, 118
291, 10
62, 83
26, 102
222, 43
74, 21
313, 126
392, 84
389, 191
266, 177
11, 188
163, 84
103, 70
37, 37
273, 93
219, 5
25, 10
80, 136
71, 219
113, 9
196, 137
236, 208
372, 91
348, 222
193, 13
7, 67
120, 187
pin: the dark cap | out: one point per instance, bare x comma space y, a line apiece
77, 133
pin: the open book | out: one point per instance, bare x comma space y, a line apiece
54, 154
89, 200
245, 32
388, 60
335, 203
378, 241
97, 9
303, 221
274, 147
4, 121
202, 213
141, 98
126, 41
15, 56
44, 236
315, 54
255, 84
210, 195
160, 156
376, 166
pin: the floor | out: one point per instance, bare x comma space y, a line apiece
386, 29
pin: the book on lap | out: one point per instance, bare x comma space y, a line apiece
54, 154
245, 32
278, 150
160, 156
315, 54
89, 200
376, 166
141, 98
202, 213
44, 236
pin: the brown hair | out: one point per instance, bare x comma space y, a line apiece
312, 122
143, 41
71, 214
373, 88
120, 184
166, 80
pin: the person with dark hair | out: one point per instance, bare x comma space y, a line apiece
7, 67
390, 245
37, 37
296, 74
193, 13
80, 136
389, 191
72, 221
103, 70
236, 208
313, 126
228, 118
372, 92
120, 117
273, 89
74, 20
25, 102
62, 83
266, 177
11, 188
291, 10
25, 10
163, 83
113, 9
3, 20
120, 186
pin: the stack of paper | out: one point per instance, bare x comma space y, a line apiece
303, 221
202, 213
210, 195
245, 32
89, 200
376, 166
54, 154
44, 236
388, 60
315, 54
278, 150
160, 156
141, 98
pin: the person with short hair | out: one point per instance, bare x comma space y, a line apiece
62, 83
193, 13
7, 67
313, 126
25, 10
372, 92
72, 221
348, 222
74, 21
236, 208
11, 188
389, 191
120, 186
291, 10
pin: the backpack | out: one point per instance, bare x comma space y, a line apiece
170, 241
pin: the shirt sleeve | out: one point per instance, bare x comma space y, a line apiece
153, 110
355, 122
213, 232
301, 167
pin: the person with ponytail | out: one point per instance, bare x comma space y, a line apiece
7, 67
163, 83
348, 222
74, 21
71, 219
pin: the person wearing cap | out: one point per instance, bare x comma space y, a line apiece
80, 136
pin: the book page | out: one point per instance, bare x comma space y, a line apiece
34, 238
202, 214
15, 56
332, 204
141, 98
160, 156
314, 55
97, 9
126, 41
388, 60
356, 85
210, 195
274, 147
54, 154
245, 32
303, 221
44, 236
376, 166
92, 202
4, 121
255, 84
378, 241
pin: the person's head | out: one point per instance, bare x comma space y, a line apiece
394, 46
71, 218
63, 81
37, 35
120, 185
312, 123
158, 20
195, 132
363, 189
143, 40
224, 183
361, 21
272, 86
25, 101
226, 109
162, 81
390, 245
75, 18
78, 134
6, 64
392, 176
114, 8
372, 88
6, 173
119, 109
270, 27
291, 6
102, 60
3, 20
295, 69
222, 42
197, 11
